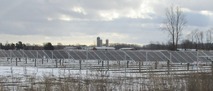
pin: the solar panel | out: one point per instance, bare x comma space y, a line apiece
186, 57
93, 55
113, 55
132, 56
74, 55
63, 54
102, 54
3, 54
116, 55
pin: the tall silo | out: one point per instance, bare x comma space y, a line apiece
98, 41
107, 42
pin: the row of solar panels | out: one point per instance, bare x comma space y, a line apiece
136, 55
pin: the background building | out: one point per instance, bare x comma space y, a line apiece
99, 42
107, 42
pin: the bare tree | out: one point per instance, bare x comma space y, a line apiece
193, 35
209, 35
174, 24
199, 39
208, 39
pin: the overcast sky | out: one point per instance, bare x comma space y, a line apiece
82, 21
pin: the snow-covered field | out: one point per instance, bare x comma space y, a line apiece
19, 75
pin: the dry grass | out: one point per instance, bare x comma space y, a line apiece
100, 81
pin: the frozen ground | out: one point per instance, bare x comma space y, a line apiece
109, 68
20, 73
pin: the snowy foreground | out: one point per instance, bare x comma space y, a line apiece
34, 78
64, 79
94, 76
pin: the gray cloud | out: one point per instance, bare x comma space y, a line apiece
135, 21
197, 19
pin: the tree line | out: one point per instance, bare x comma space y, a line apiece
194, 41
48, 46
197, 40
21, 46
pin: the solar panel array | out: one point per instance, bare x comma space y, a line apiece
113, 55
